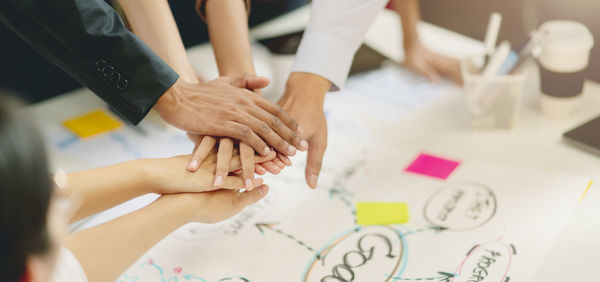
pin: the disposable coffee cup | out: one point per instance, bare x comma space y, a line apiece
565, 55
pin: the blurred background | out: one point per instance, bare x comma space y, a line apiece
26, 72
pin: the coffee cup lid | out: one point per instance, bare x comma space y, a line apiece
563, 34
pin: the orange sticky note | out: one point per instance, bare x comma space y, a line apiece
376, 213
92, 124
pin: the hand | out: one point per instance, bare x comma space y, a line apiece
223, 107
215, 206
204, 145
429, 64
303, 100
167, 176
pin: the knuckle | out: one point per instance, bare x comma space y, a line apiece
264, 127
275, 121
244, 132
282, 144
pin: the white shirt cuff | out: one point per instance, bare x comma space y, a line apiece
324, 55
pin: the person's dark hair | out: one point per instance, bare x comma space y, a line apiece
25, 189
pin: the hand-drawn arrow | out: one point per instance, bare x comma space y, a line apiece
260, 227
442, 276
427, 228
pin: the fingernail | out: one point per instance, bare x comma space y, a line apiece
260, 170
266, 151
249, 184
193, 164
261, 190
303, 145
218, 181
279, 163
291, 150
312, 181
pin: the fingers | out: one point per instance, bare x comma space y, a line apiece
278, 112
246, 135
450, 68
223, 161
284, 159
259, 169
281, 129
247, 159
237, 164
251, 197
265, 131
318, 144
234, 182
201, 151
271, 167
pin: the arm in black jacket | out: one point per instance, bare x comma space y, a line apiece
88, 40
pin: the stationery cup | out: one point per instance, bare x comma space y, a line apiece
565, 55
493, 101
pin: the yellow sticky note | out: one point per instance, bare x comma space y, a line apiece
375, 213
92, 124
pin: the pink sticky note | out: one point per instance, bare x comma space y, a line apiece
432, 166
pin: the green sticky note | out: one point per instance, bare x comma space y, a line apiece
377, 213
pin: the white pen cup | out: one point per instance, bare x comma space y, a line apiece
565, 55
497, 106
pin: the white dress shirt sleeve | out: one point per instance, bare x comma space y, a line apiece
334, 33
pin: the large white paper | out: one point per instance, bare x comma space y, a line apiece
483, 223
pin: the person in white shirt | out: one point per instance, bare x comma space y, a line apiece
35, 210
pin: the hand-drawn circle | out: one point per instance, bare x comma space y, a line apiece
461, 206
346, 263
488, 261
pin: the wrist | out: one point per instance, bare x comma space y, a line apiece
307, 85
149, 175
167, 100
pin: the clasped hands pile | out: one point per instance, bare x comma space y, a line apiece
238, 133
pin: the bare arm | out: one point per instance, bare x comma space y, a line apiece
103, 188
107, 250
153, 22
227, 22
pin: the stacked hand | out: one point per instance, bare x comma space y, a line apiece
228, 107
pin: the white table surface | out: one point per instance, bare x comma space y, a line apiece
442, 125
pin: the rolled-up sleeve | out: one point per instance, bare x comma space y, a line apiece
334, 33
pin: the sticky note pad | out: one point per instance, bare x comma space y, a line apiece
92, 124
375, 213
432, 166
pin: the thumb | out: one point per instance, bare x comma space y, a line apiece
248, 81
250, 197
257, 82
316, 150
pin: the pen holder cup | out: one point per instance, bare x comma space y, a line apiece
493, 101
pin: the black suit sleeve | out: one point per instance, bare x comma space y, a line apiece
88, 40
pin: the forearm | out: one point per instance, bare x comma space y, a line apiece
107, 250
102, 188
153, 22
228, 29
410, 14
